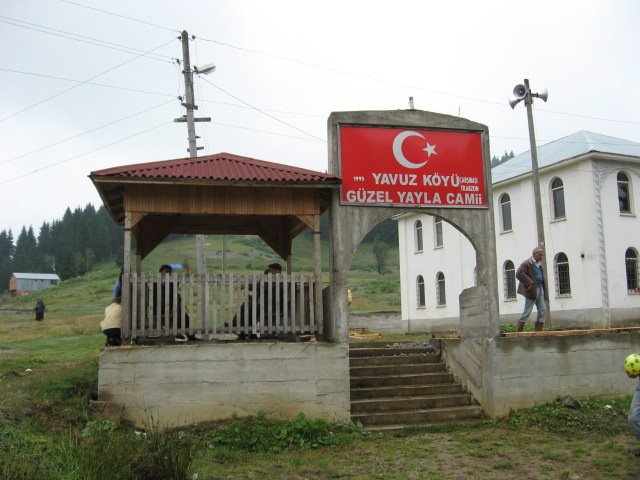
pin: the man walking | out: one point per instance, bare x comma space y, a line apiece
533, 287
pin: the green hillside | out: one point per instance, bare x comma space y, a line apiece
89, 294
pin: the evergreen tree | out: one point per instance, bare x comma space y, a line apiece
45, 249
65, 265
386, 231
69, 246
506, 156
25, 258
380, 250
6, 252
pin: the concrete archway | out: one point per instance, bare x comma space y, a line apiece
479, 315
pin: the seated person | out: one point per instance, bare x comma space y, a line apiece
167, 270
112, 324
261, 298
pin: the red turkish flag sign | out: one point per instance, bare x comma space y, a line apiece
411, 167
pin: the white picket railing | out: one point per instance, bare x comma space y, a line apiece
261, 305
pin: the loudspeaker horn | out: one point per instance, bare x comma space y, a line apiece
544, 94
513, 101
519, 91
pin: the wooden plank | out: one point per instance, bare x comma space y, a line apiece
134, 303
278, 303
223, 288
230, 304
214, 305
143, 304
301, 315
559, 333
253, 317
157, 321
294, 307
196, 199
180, 313
312, 309
173, 312
269, 300
243, 311
286, 307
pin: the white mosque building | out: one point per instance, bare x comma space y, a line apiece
590, 195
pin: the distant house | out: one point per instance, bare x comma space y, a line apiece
23, 283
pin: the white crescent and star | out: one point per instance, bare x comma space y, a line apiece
397, 149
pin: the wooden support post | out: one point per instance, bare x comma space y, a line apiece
126, 293
317, 273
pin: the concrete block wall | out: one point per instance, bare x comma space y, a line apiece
177, 385
522, 372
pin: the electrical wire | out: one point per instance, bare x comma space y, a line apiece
262, 111
119, 15
55, 164
342, 72
82, 83
313, 139
81, 38
54, 77
86, 132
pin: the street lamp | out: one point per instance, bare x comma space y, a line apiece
523, 92
205, 69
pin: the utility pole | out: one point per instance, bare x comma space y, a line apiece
528, 101
190, 119
523, 92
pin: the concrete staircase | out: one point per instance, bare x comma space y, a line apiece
404, 385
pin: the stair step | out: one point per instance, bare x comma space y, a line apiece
393, 360
402, 391
380, 405
390, 352
419, 417
403, 386
381, 370
411, 379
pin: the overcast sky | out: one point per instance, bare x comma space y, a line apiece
88, 84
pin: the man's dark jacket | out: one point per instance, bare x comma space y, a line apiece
527, 276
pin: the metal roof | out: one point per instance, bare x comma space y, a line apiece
218, 167
36, 276
579, 143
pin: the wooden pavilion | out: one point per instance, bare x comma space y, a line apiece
217, 194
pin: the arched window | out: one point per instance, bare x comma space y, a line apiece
624, 193
420, 291
418, 230
563, 281
437, 232
441, 296
509, 274
631, 266
505, 212
557, 194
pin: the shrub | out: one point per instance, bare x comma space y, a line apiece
607, 416
259, 434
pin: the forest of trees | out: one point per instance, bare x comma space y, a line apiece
84, 237
497, 161
68, 247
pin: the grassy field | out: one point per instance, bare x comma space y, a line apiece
48, 376
89, 295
